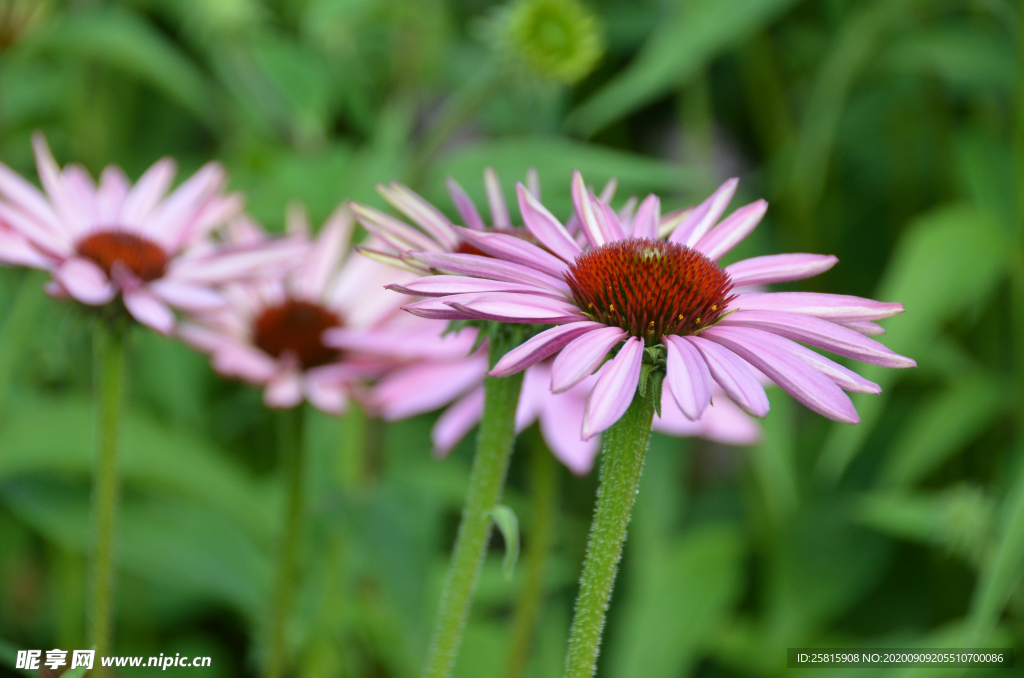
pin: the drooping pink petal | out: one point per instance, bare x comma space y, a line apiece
424, 387
148, 309
437, 309
648, 216
493, 269
820, 333
510, 248
464, 205
29, 201
457, 421
187, 296
540, 346
687, 376
731, 232
702, 217
582, 356
425, 215
734, 376
614, 390
834, 307
228, 264
776, 268
284, 390
545, 227
215, 211
171, 220
56, 243
533, 396
846, 379
50, 177
806, 384
324, 393
561, 420
85, 281
516, 308
16, 250
496, 199
310, 280
143, 197
723, 423
447, 285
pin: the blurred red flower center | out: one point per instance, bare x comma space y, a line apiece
296, 326
650, 288
142, 256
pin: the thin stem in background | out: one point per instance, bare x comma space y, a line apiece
292, 445
543, 504
494, 448
623, 449
108, 379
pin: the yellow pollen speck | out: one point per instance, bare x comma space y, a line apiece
612, 307
714, 307
680, 316
698, 321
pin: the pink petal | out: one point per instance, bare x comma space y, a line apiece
464, 205
246, 363
545, 227
797, 378
732, 230
540, 346
492, 269
533, 182
324, 394
149, 310
700, 220
16, 250
110, 196
586, 213
614, 390
687, 376
50, 177
834, 307
561, 421
284, 390
57, 243
533, 395
187, 296
28, 199
231, 264
645, 224
609, 221
399, 235
734, 376
582, 356
425, 387
327, 253
211, 214
171, 221
447, 285
515, 308
776, 268
85, 281
437, 309
496, 199
425, 215
81, 194
820, 333
510, 248
847, 380
457, 421
865, 327
723, 423
147, 192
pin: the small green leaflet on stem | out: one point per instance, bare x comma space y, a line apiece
505, 518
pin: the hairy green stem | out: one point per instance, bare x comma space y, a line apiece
108, 377
292, 446
493, 450
544, 492
622, 459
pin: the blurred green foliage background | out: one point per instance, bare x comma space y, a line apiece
887, 132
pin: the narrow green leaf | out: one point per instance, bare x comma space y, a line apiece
505, 518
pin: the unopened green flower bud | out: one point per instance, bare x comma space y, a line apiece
558, 39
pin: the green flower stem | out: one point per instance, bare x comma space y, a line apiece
292, 445
108, 349
544, 491
494, 448
623, 449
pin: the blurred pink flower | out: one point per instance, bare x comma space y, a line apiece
635, 285
152, 248
270, 332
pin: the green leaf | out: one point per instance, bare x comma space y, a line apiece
680, 47
965, 56
946, 261
119, 38
505, 518
773, 462
941, 425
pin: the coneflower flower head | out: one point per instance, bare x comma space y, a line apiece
154, 250
559, 40
657, 301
